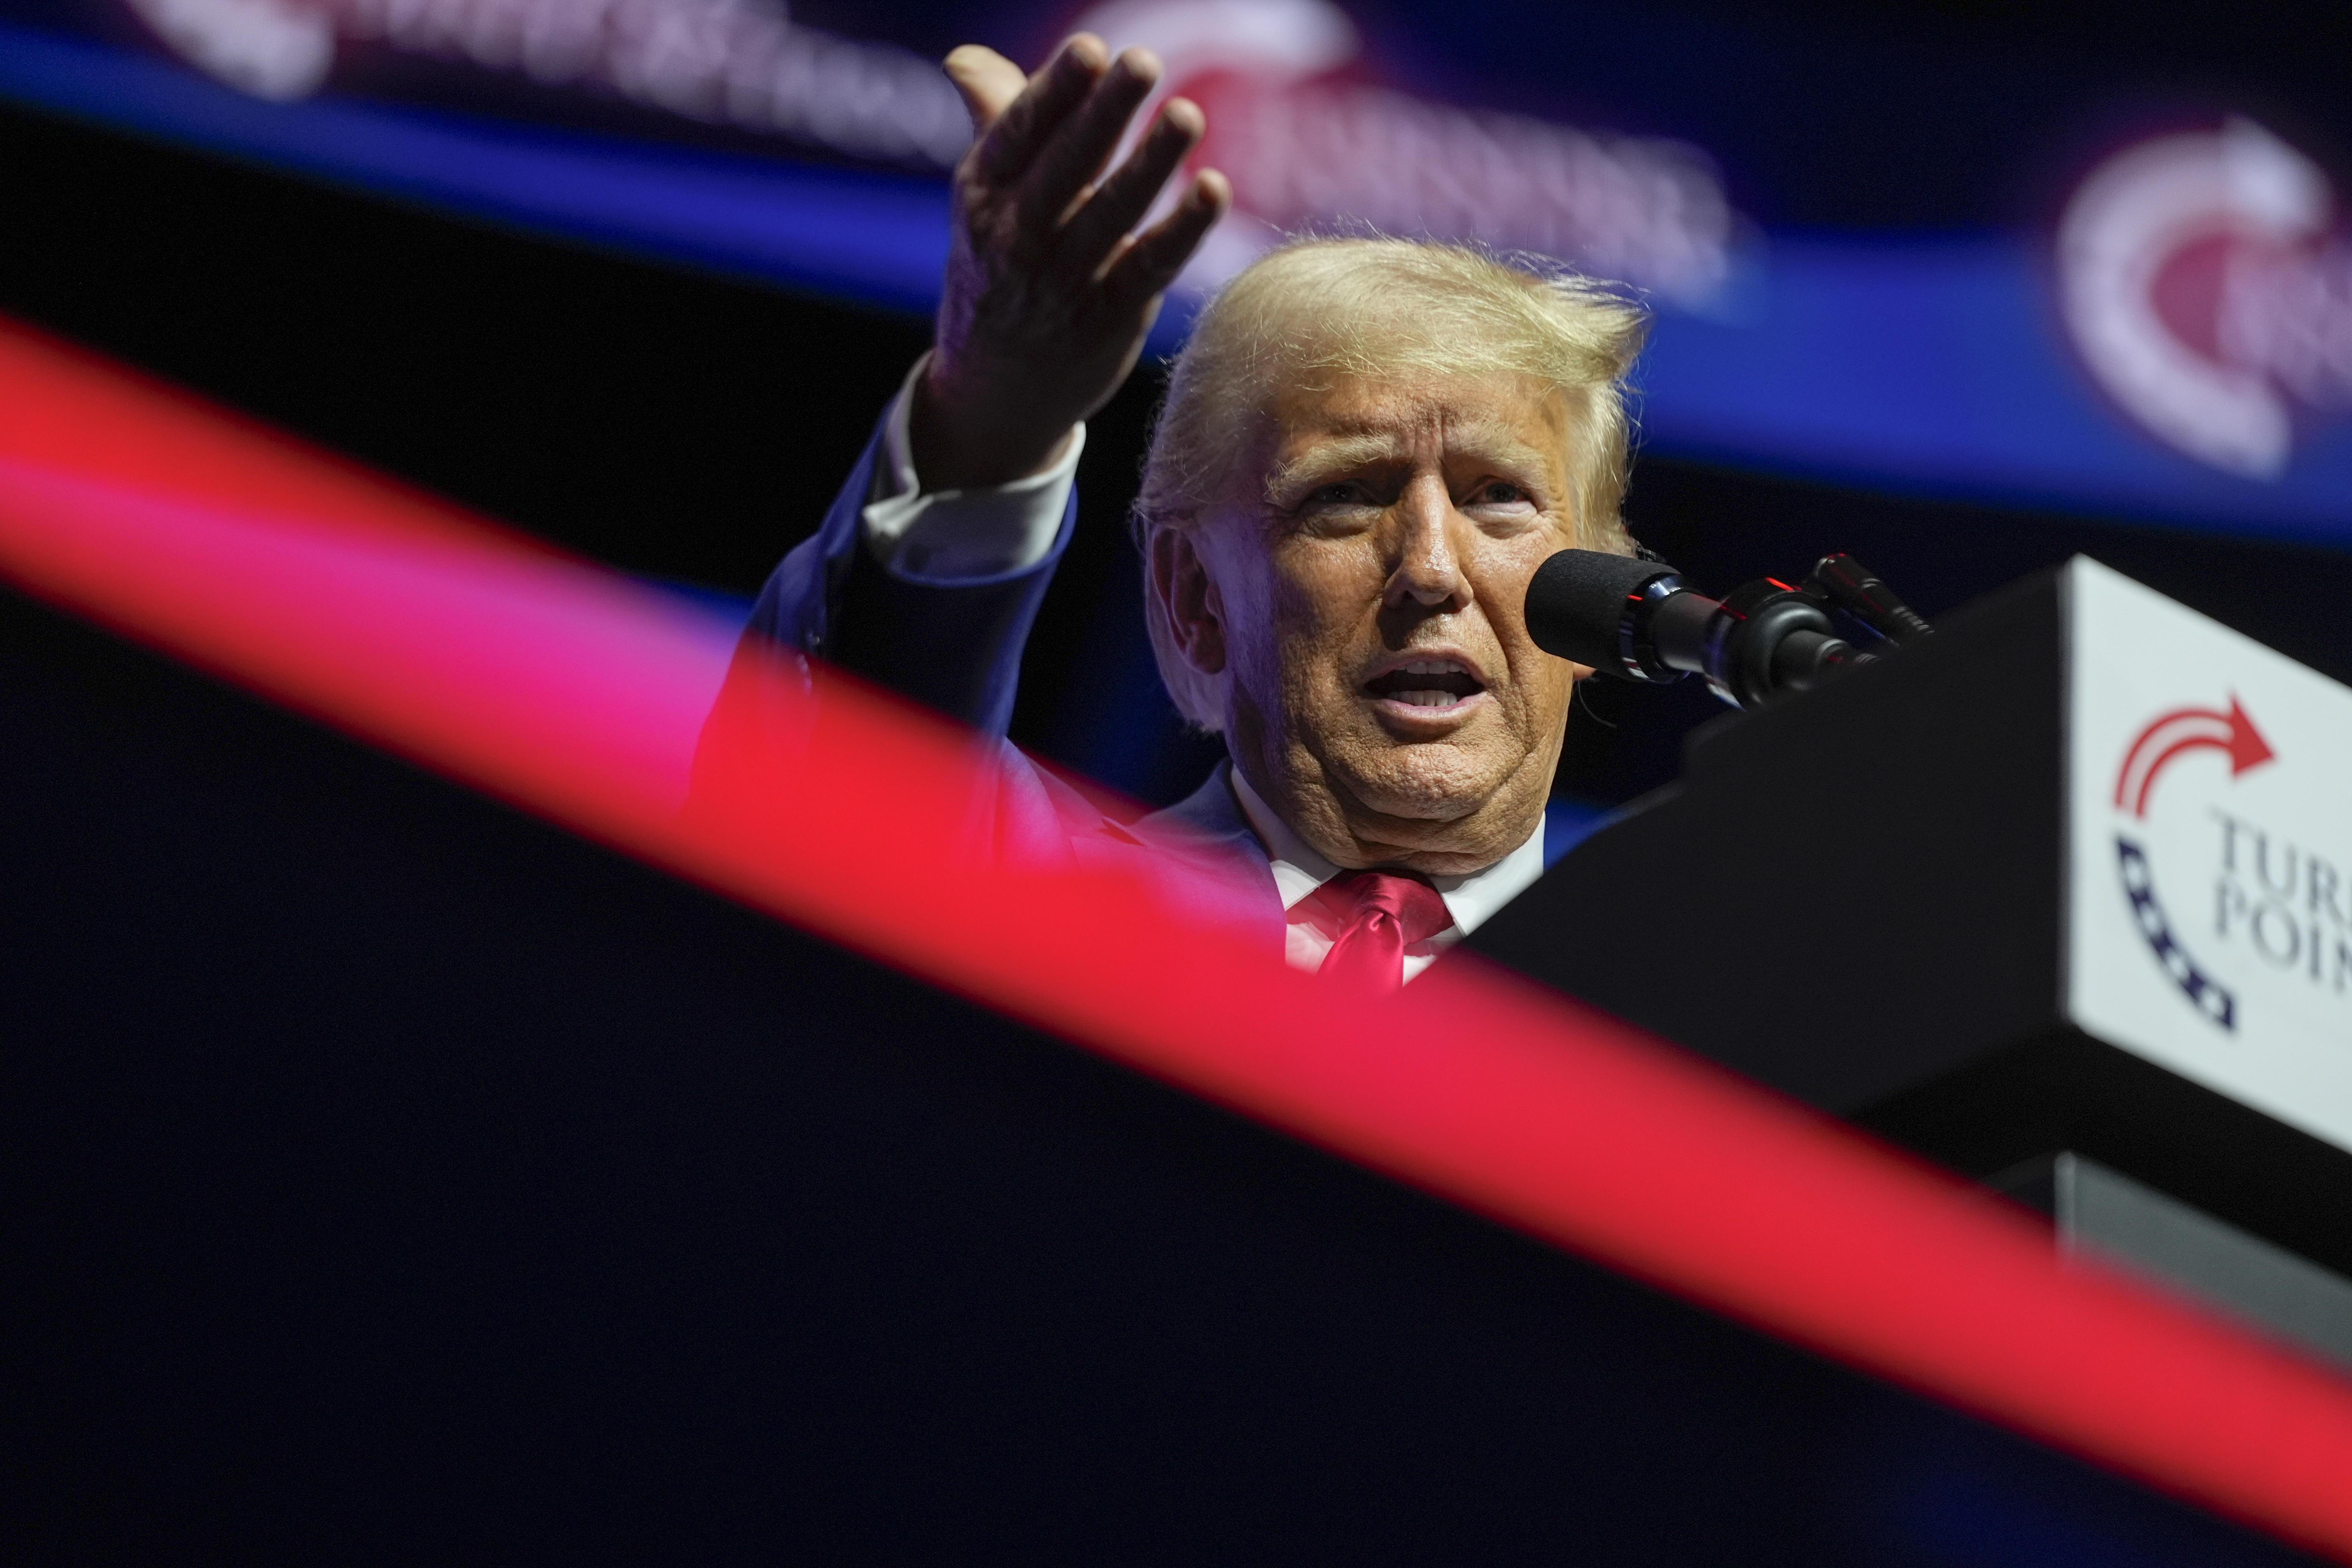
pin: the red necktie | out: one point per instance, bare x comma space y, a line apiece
1392, 910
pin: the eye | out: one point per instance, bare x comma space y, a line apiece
1499, 492
1342, 492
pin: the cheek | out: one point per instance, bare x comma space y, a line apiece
1551, 687
1500, 573
1326, 596
1545, 685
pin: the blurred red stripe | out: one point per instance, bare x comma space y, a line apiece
580, 695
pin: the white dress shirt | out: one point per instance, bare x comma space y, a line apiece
950, 536
957, 536
1314, 923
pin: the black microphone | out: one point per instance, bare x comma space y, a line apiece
1634, 620
1841, 584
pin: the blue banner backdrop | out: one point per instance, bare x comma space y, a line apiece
1938, 365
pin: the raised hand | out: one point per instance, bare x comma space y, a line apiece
1049, 291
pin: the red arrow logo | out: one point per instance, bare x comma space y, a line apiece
2188, 729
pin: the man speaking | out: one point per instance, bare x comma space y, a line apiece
1368, 447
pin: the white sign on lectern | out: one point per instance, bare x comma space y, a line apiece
2210, 829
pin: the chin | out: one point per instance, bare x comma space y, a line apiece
1434, 780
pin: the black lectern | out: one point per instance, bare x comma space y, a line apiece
2060, 898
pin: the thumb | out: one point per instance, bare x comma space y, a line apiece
988, 82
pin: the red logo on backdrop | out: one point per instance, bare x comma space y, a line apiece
2204, 285
2168, 739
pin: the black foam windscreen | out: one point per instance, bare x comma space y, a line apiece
1576, 600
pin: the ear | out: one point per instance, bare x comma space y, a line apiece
1188, 597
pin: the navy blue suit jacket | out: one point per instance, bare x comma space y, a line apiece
958, 649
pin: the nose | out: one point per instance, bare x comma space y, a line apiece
1428, 567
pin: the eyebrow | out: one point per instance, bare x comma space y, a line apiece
1328, 459
1346, 453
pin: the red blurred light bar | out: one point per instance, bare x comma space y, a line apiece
581, 696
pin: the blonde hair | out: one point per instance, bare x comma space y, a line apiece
1319, 308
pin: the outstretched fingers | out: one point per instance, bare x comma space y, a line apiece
1084, 140
988, 82
1151, 264
1120, 203
1007, 148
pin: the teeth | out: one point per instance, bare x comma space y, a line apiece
1447, 677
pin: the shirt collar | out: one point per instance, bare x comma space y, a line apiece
1471, 899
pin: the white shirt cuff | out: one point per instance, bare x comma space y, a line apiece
960, 536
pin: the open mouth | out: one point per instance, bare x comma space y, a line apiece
1427, 683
